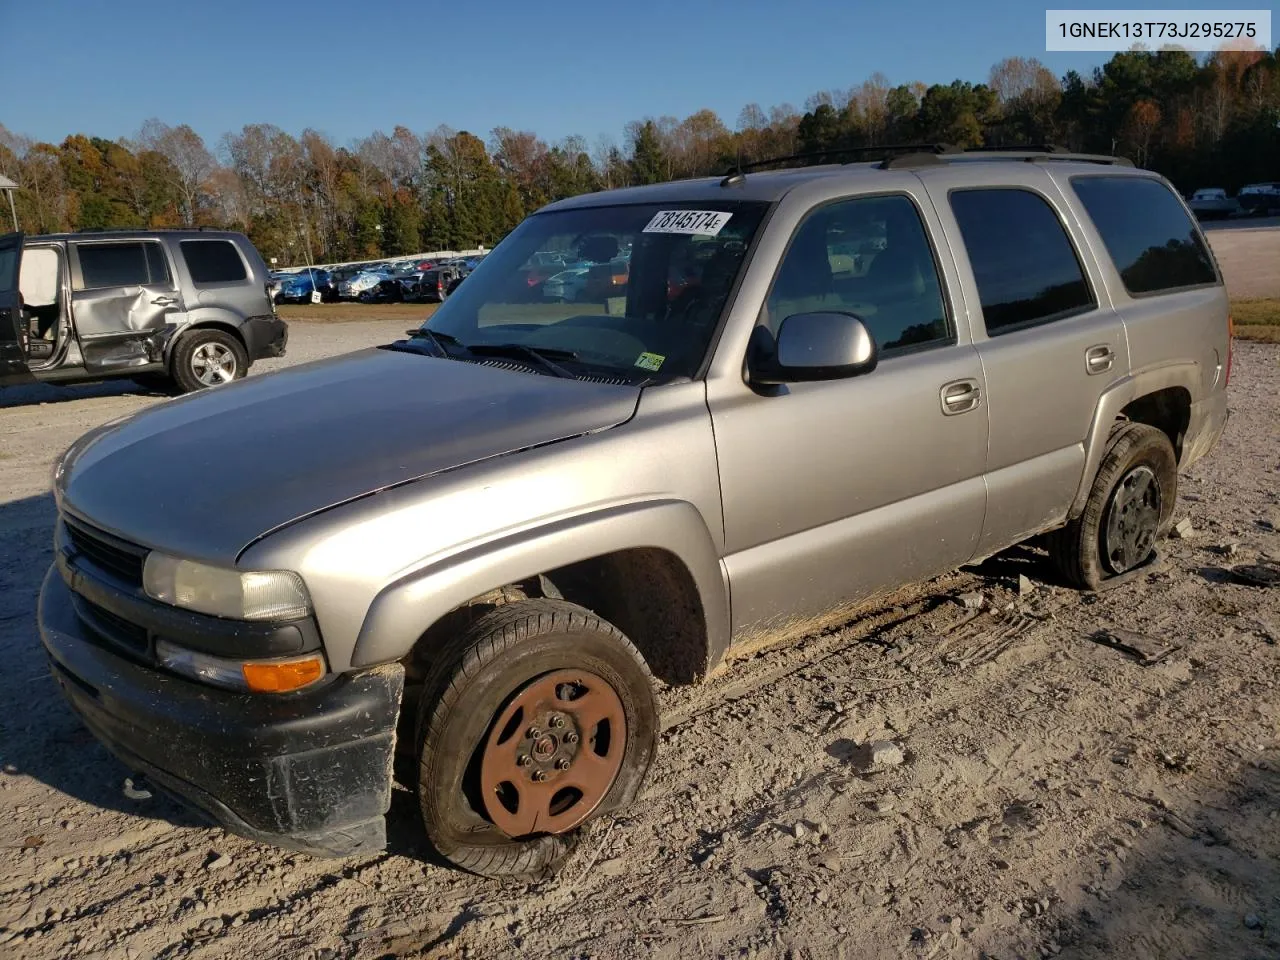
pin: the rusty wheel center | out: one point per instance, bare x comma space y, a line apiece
553, 753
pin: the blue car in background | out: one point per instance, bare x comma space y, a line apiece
299, 287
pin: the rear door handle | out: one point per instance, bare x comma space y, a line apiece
164, 301
960, 396
1098, 359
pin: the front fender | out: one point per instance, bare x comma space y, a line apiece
1119, 396
402, 611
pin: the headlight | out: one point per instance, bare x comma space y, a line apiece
236, 594
251, 676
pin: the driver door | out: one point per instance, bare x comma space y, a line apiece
13, 341
836, 490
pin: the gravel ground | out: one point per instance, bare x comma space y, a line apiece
1048, 795
1248, 252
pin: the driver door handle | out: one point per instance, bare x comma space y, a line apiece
1098, 359
960, 396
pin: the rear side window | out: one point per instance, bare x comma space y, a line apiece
1150, 238
213, 261
126, 264
1026, 269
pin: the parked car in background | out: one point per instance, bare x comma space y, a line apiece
437, 283
311, 285
1260, 199
363, 281
1212, 203
190, 308
565, 285
386, 290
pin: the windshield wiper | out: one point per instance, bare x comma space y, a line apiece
438, 340
546, 356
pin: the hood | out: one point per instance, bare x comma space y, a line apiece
206, 475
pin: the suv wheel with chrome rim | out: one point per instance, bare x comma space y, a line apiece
208, 358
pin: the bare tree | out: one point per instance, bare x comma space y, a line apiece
191, 160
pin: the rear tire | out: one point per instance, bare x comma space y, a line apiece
206, 350
479, 675
1138, 479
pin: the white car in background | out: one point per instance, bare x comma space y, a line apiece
565, 285
1212, 203
360, 283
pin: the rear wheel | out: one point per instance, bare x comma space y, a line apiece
536, 719
1130, 506
208, 358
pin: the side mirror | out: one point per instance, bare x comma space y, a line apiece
815, 346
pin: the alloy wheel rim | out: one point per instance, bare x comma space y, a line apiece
213, 363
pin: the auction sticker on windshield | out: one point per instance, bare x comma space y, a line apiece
701, 223
650, 361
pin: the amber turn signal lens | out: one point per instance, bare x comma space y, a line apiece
281, 676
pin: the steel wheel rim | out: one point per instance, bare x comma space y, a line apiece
553, 753
1132, 521
213, 363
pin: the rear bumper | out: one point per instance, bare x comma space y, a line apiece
1208, 420
265, 337
310, 772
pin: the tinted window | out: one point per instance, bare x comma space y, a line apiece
213, 261
129, 264
1024, 264
1149, 236
870, 257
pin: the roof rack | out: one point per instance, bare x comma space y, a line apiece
738, 170
1035, 153
200, 229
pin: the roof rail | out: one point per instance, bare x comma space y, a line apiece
1037, 153
835, 153
200, 229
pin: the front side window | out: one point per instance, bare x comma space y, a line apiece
870, 257
133, 263
632, 291
1024, 264
213, 261
1150, 238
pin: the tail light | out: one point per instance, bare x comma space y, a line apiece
1231, 336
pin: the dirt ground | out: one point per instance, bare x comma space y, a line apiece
1054, 796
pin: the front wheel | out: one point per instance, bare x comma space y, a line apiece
535, 719
1130, 506
208, 358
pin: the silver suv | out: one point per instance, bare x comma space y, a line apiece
771, 396
184, 308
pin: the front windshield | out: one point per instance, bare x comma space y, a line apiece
633, 290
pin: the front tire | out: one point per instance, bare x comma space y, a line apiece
1130, 506
208, 358
537, 718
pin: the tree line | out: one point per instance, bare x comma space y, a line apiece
1209, 121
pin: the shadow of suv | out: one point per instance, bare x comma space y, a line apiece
184, 308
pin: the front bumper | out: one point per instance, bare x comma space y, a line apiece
309, 771
265, 337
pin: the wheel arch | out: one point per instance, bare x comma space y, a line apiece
651, 569
228, 324
1159, 397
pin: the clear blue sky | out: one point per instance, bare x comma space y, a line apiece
101, 67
